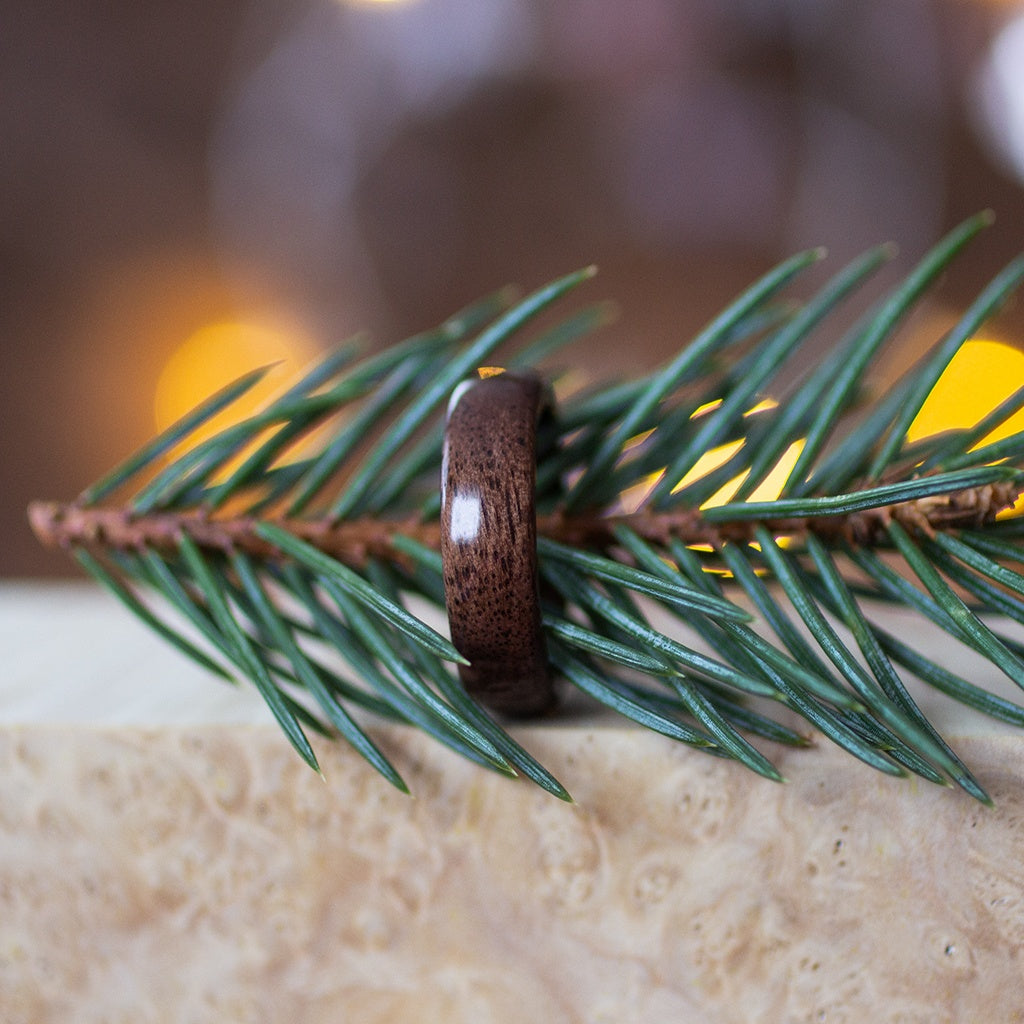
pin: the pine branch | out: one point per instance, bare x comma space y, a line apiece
929, 504
285, 548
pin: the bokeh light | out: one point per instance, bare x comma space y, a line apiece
999, 96
219, 353
980, 376
768, 489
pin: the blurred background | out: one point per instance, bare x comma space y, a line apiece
190, 189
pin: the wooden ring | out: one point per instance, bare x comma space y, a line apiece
489, 541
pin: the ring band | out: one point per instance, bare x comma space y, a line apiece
489, 541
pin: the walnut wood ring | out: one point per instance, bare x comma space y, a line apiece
489, 541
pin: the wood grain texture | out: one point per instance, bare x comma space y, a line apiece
154, 867
489, 542
194, 873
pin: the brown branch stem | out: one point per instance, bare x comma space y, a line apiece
354, 541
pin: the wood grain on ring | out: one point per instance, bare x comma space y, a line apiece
489, 541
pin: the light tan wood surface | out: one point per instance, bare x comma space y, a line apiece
164, 856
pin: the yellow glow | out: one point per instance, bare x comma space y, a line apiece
980, 376
633, 497
768, 489
708, 463
218, 354
762, 406
483, 372
771, 486
637, 440
704, 409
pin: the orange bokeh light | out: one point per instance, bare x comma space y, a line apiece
219, 353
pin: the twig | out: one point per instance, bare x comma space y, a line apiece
353, 542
